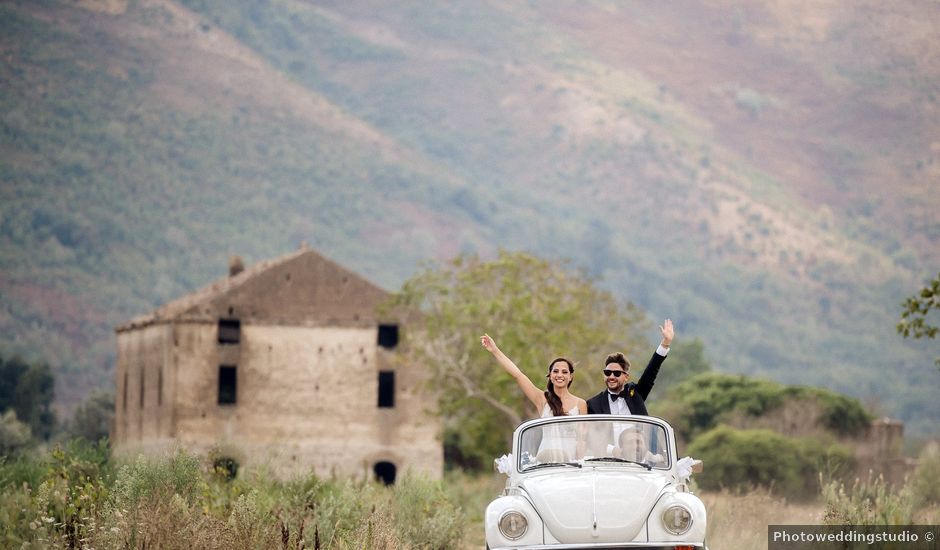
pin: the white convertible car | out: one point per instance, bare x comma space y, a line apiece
595, 481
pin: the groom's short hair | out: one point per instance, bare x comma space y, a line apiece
619, 359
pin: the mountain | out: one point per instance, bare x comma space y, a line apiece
764, 173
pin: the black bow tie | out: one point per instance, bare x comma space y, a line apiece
615, 396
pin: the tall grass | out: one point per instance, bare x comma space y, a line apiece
874, 501
78, 499
868, 502
75, 497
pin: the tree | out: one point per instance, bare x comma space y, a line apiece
92, 418
916, 309
536, 310
28, 389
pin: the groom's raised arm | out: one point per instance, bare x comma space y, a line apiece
645, 385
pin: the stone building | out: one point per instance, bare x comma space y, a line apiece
879, 452
285, 365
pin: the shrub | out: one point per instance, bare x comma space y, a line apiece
424, 516
251, 521
179, 474
71, 499
840, 414
151, 499
702, 401
15, 436
743, 459
21, 470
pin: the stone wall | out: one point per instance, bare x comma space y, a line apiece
306, 399
144, 387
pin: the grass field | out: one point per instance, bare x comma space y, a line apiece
76, 497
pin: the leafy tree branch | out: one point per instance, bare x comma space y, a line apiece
913, 322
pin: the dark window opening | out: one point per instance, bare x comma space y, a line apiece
225, 467
385, 472
228, 384
388, 336
160, 387
124, 391
141, 388
386, 388
230, 331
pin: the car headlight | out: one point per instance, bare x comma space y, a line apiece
677, 519
513, 525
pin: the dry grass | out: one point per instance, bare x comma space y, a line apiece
739, 522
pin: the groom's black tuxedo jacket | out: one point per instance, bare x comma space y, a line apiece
600, 405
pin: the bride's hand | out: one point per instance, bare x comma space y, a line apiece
488, 343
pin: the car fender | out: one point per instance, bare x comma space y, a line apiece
657, 531
504, 504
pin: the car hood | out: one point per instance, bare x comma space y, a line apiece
594, 504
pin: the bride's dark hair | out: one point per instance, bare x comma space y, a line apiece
554, 402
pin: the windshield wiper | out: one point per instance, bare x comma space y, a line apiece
547, 464
616, 459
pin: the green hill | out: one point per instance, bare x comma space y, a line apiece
763, 174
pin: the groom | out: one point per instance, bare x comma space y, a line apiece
622, 396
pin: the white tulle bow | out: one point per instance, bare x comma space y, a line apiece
685, 467
503, 464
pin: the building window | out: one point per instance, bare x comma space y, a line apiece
230, 331
385, 472
141, 387
228, 384
124, 392
386, 389
388, 336
160, 387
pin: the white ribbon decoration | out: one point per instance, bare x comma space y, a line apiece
503, 464
684, 468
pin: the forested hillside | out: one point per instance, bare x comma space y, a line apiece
764, 174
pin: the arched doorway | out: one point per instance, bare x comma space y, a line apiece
385, 472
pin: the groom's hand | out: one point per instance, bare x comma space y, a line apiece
668, 333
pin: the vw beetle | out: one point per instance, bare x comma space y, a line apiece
595, 481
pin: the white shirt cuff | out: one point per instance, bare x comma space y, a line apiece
662, 351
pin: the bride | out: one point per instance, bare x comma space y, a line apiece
557, 443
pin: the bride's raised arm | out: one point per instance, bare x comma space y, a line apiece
535, 395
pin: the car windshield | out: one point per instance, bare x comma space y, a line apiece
631, 442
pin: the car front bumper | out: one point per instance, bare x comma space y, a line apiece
609, 546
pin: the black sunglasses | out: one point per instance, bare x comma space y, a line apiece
608, 372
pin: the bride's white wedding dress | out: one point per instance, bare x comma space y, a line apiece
559, 442
547, 411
